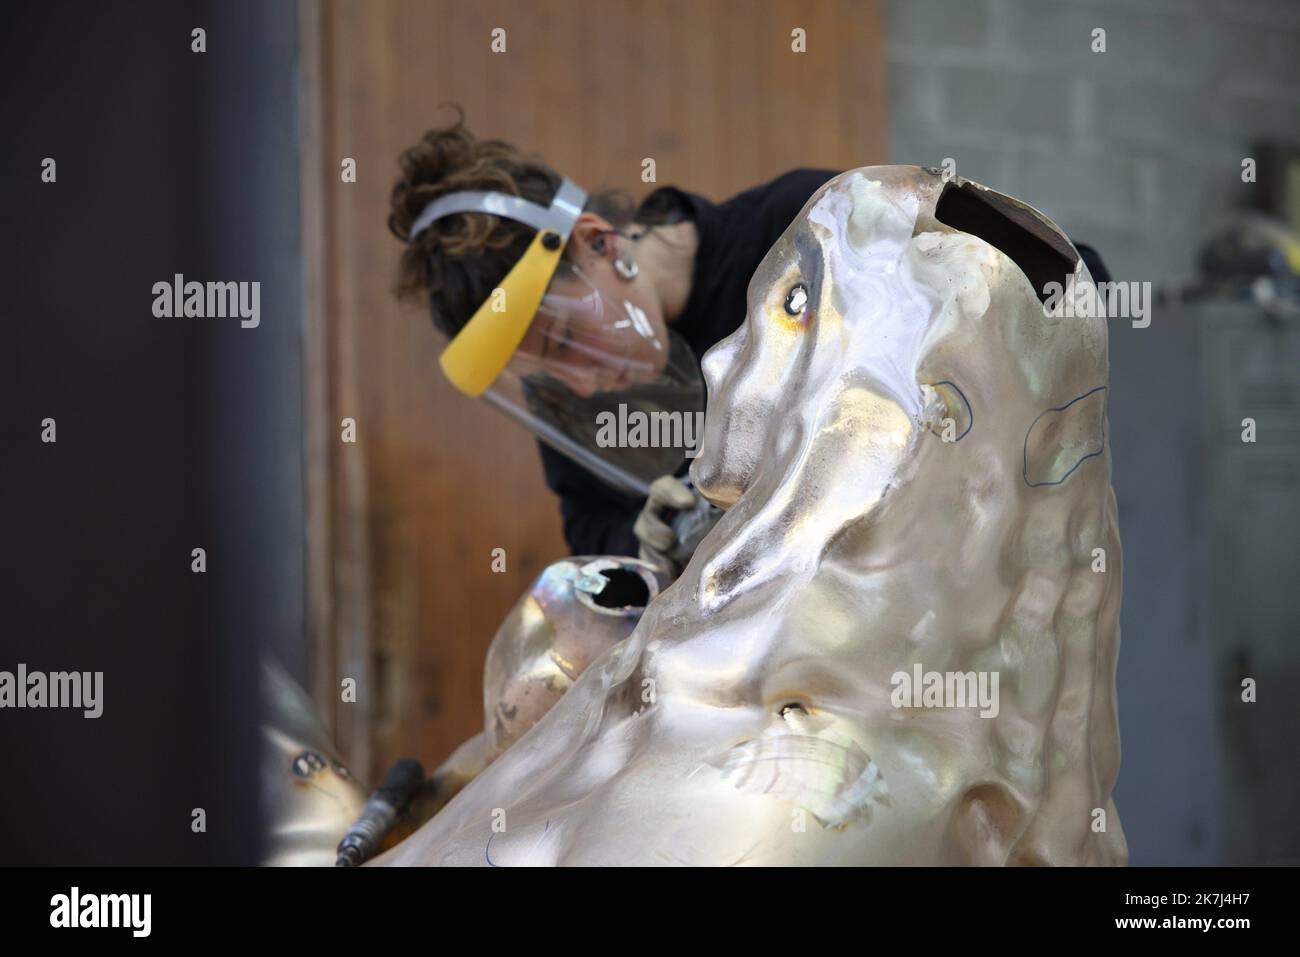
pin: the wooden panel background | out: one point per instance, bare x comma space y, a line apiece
402, 524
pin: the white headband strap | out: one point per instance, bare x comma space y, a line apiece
560, 216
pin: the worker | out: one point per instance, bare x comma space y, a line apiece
584, 317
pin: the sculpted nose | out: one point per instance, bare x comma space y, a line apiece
718, 361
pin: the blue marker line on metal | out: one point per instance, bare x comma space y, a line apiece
969, 411
1025, 470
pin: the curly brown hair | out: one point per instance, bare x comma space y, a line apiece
461, 258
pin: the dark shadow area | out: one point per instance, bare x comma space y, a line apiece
171, 433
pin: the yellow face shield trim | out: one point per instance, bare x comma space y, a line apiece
474, 359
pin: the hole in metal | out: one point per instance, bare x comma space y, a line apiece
1042, 255
796, 300
625, 589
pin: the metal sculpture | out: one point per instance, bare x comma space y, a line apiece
913, 456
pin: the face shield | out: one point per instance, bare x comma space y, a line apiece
602, 383
581, 365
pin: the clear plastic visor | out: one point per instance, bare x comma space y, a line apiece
590, 340
602, 380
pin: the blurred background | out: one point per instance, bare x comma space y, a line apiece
373, 560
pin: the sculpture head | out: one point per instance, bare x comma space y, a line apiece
912, 454
910, 442
872, 320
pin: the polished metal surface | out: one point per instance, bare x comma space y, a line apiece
309, 799
576, 610
751, 717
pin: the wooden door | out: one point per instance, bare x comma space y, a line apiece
402, 523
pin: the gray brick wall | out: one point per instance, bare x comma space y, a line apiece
1134, 150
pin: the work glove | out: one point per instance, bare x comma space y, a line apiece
658, 541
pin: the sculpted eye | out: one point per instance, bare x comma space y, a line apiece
796, 300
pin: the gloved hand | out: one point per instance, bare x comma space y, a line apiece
653, 531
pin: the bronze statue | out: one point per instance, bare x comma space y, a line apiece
913, 457
898, 645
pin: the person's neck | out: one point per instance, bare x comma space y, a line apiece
667, 258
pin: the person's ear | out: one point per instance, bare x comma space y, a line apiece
593, 235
